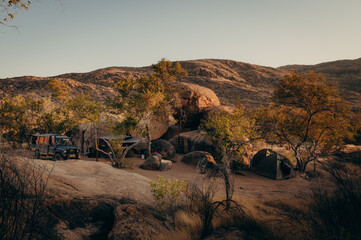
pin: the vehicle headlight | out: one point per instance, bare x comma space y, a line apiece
63, 152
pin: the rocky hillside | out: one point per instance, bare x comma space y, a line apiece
347, 74
233, 82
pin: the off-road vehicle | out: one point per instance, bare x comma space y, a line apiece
57, 146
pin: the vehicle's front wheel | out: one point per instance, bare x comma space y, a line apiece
37, 154
58, 157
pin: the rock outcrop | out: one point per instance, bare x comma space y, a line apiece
192, 141
196, 157
194, 101
157, 129
232, 81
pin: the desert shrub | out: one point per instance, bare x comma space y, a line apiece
200, 199
221, 216
169, 193
22, 187
329, 215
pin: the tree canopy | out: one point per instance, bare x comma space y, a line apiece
146, 99
229, 131
307, 114
22, 115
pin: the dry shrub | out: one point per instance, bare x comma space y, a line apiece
187, 226
22, 187
200, 200
217, 216
327, 214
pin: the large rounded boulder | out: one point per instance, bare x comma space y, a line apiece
197, 157
84, 136
192, 141
173, 131
164, 148
157, 129
194, 100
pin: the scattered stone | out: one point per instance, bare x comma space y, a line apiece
151, 163
165, 165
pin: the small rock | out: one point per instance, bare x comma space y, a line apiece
151, 163
165, 165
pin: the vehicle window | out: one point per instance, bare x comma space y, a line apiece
41, 140
63, 141
46, 140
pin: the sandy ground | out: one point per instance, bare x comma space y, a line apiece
88, 178
249, 188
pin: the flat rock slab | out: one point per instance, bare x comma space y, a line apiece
78, 178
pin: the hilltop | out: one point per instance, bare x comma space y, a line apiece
232, 81
346, 73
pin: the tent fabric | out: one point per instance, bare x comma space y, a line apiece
273, 165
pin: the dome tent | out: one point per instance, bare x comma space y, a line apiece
273, 165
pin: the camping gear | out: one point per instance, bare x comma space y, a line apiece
273, 165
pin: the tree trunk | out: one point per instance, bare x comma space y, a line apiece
304, 167
314, 165
129, 148
299, 165
149, 141
96, 141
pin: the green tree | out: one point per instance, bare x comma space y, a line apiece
231, 133
307, 114
24, 115
64, 111
19, 116
147, 99
59, 90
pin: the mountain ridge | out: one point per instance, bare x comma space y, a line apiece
232, 81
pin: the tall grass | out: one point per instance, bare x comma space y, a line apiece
328, 214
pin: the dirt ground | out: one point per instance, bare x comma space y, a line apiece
251, 189
89, 178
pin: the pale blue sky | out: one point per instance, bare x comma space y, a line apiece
83, 35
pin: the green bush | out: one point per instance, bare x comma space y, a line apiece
169, 193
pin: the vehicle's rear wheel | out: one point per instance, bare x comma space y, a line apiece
58, 157
37, 154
